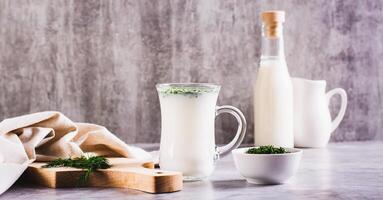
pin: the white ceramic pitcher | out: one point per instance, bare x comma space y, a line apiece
312, 120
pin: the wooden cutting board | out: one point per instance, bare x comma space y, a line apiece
124, 173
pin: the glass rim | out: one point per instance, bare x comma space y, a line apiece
188, 85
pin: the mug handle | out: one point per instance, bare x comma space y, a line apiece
335, 123
224, 150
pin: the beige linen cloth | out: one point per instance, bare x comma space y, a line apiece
49, 135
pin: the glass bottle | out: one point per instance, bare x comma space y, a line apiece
273, 96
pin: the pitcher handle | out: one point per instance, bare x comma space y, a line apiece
335, 123
233, 144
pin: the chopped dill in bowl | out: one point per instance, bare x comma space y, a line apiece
269, 149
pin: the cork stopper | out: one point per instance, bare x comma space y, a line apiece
273, 16
272, 21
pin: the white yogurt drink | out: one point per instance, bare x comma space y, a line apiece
188, 113
273, 105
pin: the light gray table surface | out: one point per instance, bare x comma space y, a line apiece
340, 171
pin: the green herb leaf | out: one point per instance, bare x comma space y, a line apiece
90, 164
270, 149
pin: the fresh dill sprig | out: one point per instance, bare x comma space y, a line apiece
270, 149
90, 164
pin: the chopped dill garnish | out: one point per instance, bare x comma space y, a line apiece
270, 149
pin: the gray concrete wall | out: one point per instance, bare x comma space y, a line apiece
98, 61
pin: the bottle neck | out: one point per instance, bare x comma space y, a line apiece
272, 41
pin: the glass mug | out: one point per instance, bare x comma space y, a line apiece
188, 112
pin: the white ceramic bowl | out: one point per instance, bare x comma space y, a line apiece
267, 168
